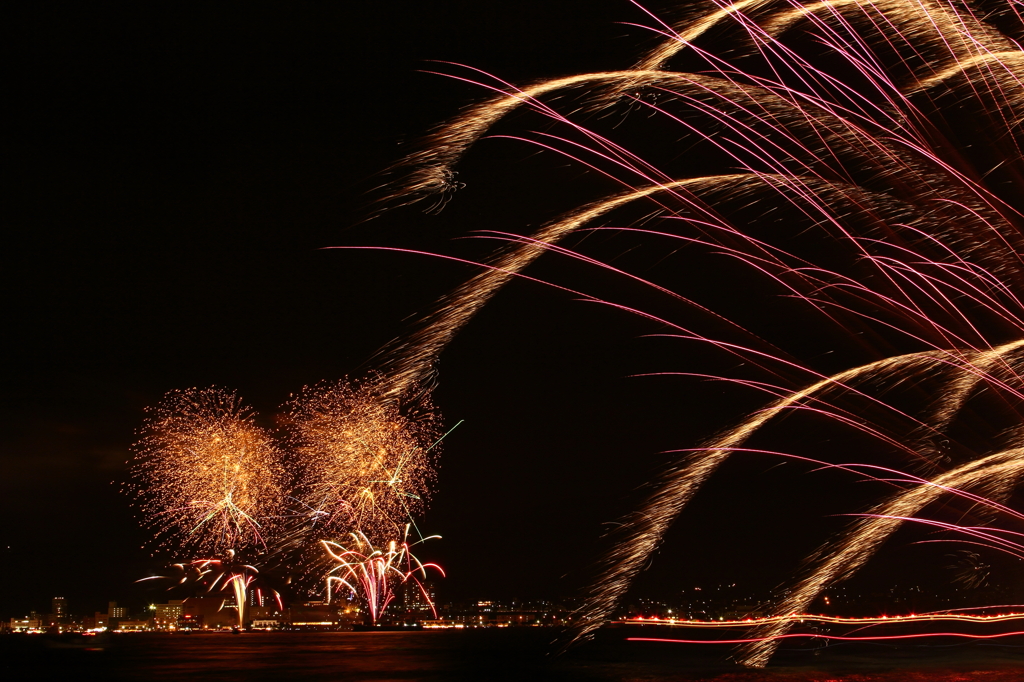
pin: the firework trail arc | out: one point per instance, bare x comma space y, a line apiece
943, 201
408, 362
640, 534
836, 563
893, 127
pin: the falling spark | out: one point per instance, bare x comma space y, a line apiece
900, 143
373, 573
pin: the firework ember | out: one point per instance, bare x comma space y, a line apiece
227, 573
887, 136
373, 573
206, 476
364, 465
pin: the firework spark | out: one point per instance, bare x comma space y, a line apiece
373, 573
969, 569
227, 573
893, 130
364, 464
641, 535
206, 477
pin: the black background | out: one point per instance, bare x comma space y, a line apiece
174, 175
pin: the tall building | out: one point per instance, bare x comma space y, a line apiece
115, 611
167, 615
58, 612
418, 597
115, 614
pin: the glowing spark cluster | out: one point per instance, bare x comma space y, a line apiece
970, 570
373, 573
363, 464
206, 475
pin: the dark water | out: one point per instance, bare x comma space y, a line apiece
482, 655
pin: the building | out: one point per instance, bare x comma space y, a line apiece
208, 612
133, 625
258, 597
26, 625
166, 616
417, 598
265, 624
112, 618
314, 614
59, 609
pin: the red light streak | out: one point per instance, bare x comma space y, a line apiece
812, 618
795, 635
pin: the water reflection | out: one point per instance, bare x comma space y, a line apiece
480, 655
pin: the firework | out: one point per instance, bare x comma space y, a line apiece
969, 569
227, 573
889, 134
206, 477
364, 465
373, 573
644, 531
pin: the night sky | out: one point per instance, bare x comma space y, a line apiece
174, 175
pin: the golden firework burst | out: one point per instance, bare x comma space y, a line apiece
363, 464
205, 474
